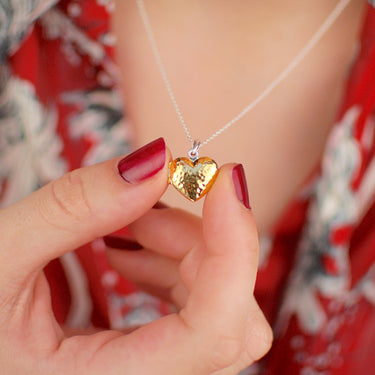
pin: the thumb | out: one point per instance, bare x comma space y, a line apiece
80, 206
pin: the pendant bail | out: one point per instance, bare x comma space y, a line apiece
193, 152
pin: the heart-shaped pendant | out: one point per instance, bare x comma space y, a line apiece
193, 179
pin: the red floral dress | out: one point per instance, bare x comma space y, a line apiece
60, 109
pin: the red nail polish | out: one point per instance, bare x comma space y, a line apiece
160, 205
143, 163
240, 185
122, 243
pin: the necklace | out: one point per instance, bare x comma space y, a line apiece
194, 176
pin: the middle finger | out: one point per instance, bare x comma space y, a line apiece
154, 273
170, 232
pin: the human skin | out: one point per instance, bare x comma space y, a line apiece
219, 56
219, 328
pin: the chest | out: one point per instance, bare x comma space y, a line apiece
219, 56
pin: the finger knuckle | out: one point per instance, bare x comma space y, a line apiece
226, 351
68, 198
260, 341
267, 337
70, 194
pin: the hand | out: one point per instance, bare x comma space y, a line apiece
208, 334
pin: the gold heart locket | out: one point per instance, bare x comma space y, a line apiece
193, 179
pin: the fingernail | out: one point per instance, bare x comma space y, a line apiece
143, 163
122, 243
240, 185
160, 205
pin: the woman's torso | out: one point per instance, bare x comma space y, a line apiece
219, 56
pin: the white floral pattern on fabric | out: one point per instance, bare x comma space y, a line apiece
109, 5
100, 117
15, 19
335, 207
137, 308
98, 112
76, 44
29, 146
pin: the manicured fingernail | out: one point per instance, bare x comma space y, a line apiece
122, 243
143, 163
160, 205
240, 185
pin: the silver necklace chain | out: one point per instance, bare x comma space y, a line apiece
325, 26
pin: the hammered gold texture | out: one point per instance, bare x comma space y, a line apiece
193, 179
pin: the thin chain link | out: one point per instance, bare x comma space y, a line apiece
326, 25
